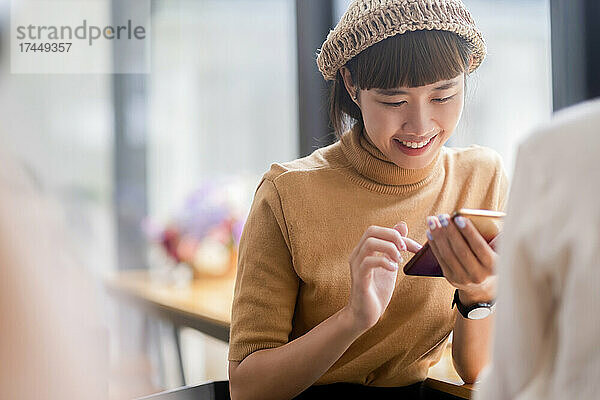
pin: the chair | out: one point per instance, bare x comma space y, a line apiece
218, 390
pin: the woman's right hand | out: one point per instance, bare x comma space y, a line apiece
373, 269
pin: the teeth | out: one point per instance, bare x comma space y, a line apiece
415, 145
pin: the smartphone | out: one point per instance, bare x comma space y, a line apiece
487, 222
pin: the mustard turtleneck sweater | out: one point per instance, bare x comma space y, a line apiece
306, 218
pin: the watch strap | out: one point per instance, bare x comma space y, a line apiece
475, 311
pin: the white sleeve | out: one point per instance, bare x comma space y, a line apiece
524, 294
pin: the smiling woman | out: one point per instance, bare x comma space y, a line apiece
319, 305
406, 92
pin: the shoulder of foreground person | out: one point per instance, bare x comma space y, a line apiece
549, 253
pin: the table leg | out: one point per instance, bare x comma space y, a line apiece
179, 355
155, 350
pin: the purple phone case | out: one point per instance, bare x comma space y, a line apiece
425, 265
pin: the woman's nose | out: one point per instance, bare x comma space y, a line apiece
418, 122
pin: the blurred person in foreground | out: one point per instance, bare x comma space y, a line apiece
546, 340
51, 343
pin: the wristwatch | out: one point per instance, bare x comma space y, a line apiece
476, 311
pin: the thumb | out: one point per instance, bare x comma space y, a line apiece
402, 228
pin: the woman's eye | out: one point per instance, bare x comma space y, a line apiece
395, 104
443, 100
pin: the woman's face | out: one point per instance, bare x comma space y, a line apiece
410, 125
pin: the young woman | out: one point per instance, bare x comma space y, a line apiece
320, 303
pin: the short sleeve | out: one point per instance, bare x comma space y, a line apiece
266, 284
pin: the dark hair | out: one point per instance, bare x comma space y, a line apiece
405, 60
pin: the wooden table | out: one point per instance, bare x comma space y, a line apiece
205, 305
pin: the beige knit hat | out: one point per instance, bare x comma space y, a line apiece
367, 22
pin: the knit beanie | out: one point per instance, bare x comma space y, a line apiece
367, 22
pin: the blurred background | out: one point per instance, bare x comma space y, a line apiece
156, 172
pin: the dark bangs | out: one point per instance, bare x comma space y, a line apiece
410, 59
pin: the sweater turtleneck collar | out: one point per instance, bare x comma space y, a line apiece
371, 163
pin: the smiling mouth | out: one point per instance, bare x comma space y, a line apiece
415, 145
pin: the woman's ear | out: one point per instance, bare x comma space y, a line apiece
349, 84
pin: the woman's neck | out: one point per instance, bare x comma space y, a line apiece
375, 166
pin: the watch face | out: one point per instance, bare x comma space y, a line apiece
479, 313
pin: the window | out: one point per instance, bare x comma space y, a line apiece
222, 93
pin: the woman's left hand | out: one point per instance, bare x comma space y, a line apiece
467, 260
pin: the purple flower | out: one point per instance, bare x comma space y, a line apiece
214, 206
205, 209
